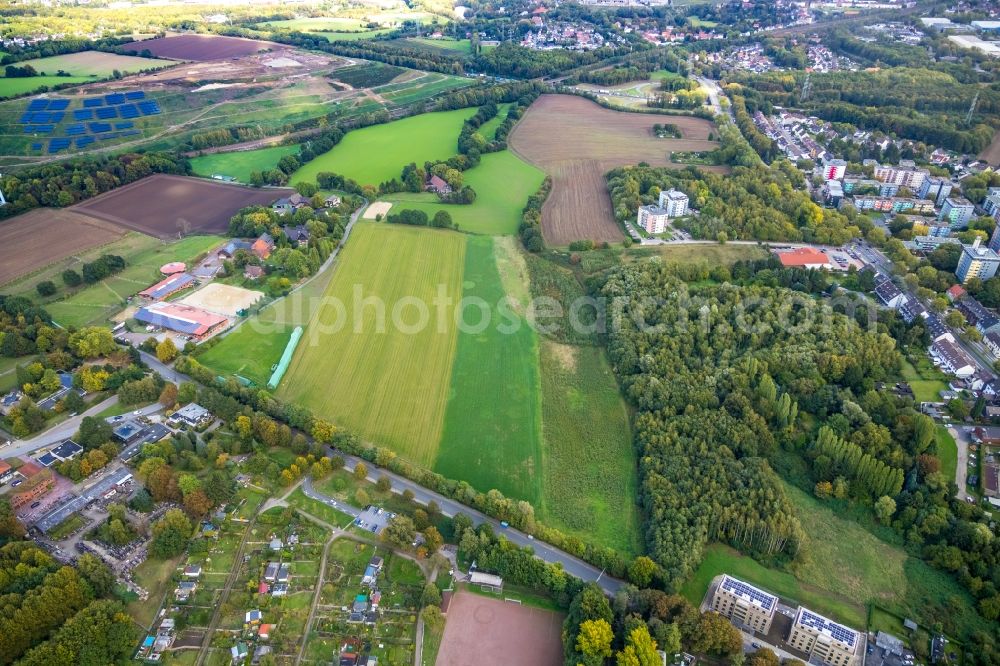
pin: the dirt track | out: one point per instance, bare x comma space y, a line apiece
167, 206
493, 632
992, 152
43, 236
577, 142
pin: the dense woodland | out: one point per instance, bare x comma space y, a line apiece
730, 381
751, 203
56, 614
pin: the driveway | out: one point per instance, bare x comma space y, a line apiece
962, 441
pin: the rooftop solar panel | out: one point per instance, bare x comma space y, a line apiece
809, 619
750, 593
83, 114
38, 104
106, 113
135, 94
114, 98
91, 102
58, 104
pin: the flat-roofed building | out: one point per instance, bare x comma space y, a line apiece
744, 605
825, 641
674, 202
653, 219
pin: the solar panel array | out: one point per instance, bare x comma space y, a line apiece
829, 627
750, 593
43, 116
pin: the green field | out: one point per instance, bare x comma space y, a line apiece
247, 352
240, 164
488, 129
334, 36
14, 87
947, 452
95, 63
389, 383
388, 148
590, 476
503, 183
927, 381
841, 568
95, 303
317, 24
445, 44
492, 427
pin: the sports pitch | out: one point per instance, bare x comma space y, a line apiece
388, 148
388, 383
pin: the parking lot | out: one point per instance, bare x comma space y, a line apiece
373, 519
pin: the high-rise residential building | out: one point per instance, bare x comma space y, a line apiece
991, 204
902, 176
936, 189
653, 219
744, 605
825, 641
994, 243
674, 202
834, 169
957, 210
977, 261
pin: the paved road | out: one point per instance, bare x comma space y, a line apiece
450, 507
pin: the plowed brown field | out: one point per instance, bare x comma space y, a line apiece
577, 142
169, 206
44, 236
198, 47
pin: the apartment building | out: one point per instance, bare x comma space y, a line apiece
893, 204
744, 605
674, 202
935, 189
957, 211
977, 261
653, 219
904, 176
825, 641
834, 169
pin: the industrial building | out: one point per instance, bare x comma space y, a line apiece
181, 318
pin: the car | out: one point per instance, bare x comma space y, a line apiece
17, 482
137, 412
35, 505
755, 646
531, 537
504, 524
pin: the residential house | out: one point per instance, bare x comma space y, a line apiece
992, 342
976, 314
332, 201
192, 571
193, 415
289, 204
372, 570
254, 617
952, 359
239, 652
184, 590
955, 293
937, 329
283, 574
263, 246
437, 185
297, 235
275, 544
9, 401
253, 272
888, 293
271, 571
279, 590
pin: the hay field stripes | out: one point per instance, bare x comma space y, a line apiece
390, 386
492, 428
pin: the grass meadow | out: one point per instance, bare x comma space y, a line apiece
502, 181
841, 568
492, 427
240, 164
389, 147
442, 45
947, 453
94, 303
22, 86
589, 468
247, 353
387, 384
95, 63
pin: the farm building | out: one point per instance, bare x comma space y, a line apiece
262, 246
181, 318
168, 286
438, 185
232, 247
